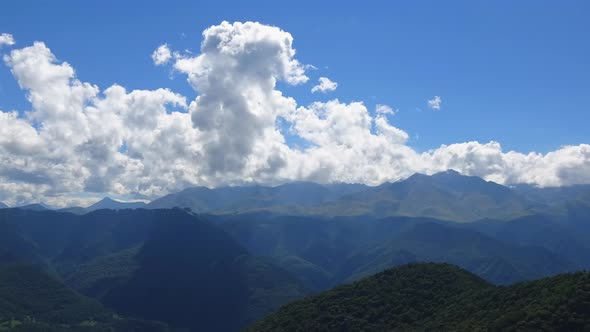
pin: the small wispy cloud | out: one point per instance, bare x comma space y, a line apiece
6, 39
385, 109
162, 55
325, 85
435, 103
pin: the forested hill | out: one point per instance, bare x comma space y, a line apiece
31, 300
439, 297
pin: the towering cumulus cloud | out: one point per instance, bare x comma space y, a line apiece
77, 139
237, 107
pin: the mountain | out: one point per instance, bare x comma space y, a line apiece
165, 265
108, 203
15, 245
490, 259
446, 195
3, 206
552, 195
34, 207
105, 203
325, 252
74, 210
31, 300
284, 198
439, 297
193, 275
258, 247
564, 236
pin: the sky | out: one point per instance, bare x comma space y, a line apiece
138, 99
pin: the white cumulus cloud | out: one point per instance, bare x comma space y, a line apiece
162, 55
6, 39
77, 139
325, 85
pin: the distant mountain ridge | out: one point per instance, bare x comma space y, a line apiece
34, 207
111, 204
446, 195
105, 203
249, 198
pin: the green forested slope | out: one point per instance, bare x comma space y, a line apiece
31, 300
440, 297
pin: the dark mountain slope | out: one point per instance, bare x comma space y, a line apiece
74, 210
192, 275
34, 207
439, 297
495, 261
30, 300
555, 195
165, 265
190, 265
328, 251
566, 238
16, 246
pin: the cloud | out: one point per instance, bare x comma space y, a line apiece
162, 55
566, 166
78, 141
325, 85
70, 142
6, 39
236, 111
384, 109
435, 103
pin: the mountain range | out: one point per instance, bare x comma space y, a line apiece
288, 197
221, 259
329, 251
164, 265
105, 203
445, 196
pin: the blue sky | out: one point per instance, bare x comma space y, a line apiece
513, 80
514, 72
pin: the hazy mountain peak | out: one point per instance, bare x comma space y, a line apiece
3, 206
448, 172
416, 177
445, 177
109, 203
35, 207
